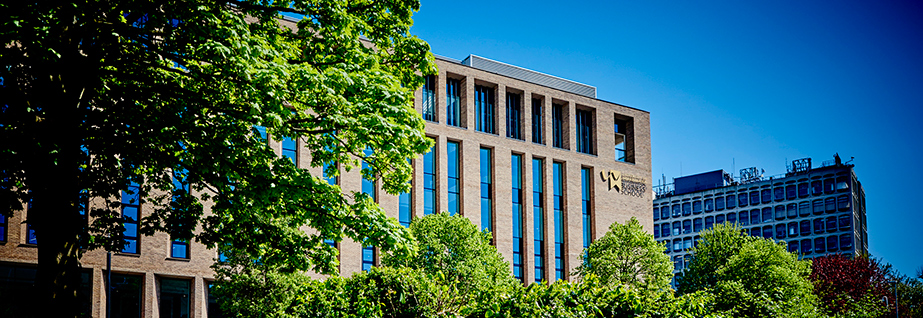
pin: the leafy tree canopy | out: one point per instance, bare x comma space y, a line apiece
96, 95
849, 286
627, 256
749, 276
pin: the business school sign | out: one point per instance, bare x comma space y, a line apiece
624, 184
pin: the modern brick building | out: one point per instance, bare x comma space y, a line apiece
816, 211
538, 160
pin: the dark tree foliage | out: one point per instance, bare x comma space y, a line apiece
840, 281
96, 95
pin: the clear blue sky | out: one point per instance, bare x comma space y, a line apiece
756, 83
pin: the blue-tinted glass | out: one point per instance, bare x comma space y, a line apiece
261, 130
132, 195
131, 230
330, 242
429, 98
130, 213
2, 228
404, 213
30, 235
368, 258
453, 177
585, 180
516, 176
179, 179
484, 109
584, 127
429, 182
557, 177
289, 149
486, 183
538, 218
330, 177
513, 116
131, 246
537, 121
557, 125
453, 99
368, 186
178, 250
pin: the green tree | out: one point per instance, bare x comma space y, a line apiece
627, 256
95, 95
749, 276
454, 252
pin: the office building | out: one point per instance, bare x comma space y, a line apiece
815, 210
537, 160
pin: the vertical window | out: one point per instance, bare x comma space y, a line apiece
766, 196
584, 119
742, 199
806, 246
754, 197
665, 230
484, 109
3, 227
676, 212
805, 227
368, 186
174, 298
779, 193
830, 204
557, 125
31, 238
677, 245
816, 187
665, 212
709, 222
585, 181
842, 184
842, 203
743, 218
767, 214
290, 149
212, 308
429, 98
621, 140
429, 182
791, 210
486, 190
790, 193
719, 203
792, 229
802, 189
697, 225
453, 102
656, 213
513, 115
793, 247
731, 201
820, 245
537, 123
818, 207
453, 177
845, 241
709, 205
516, 174
687, 209
656, 230
687, 226
558, 192
368, 258
780, 212
828, 186
677, 228
719, 219
125, 295
131, 206
845, 222
538, 215
757, 231
405, 205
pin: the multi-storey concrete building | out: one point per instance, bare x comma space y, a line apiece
816, 211
537, 160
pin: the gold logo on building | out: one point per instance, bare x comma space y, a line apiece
624, 184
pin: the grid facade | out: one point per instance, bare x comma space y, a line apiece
817, 212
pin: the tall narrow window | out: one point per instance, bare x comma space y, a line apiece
584, 120
484, 109
621, 140
405, 212
558, 192
514, 115
453, 102
537, 123
429, 98
290, 149
174, 298
179, 246
516, 174
453, 177
131, 206
368, 186
31, 238
487, 205
585, 181
429, 182
3, 227
538, 216
368, 258
557, 125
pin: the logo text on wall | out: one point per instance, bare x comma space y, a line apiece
624, 184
